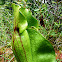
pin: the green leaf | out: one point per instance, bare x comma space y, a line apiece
52, 33
27, 43
53, 2
36, 10
57, 24
2, 2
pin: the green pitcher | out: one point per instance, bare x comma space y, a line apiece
27, 43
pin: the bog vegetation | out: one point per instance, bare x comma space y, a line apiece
51, 28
